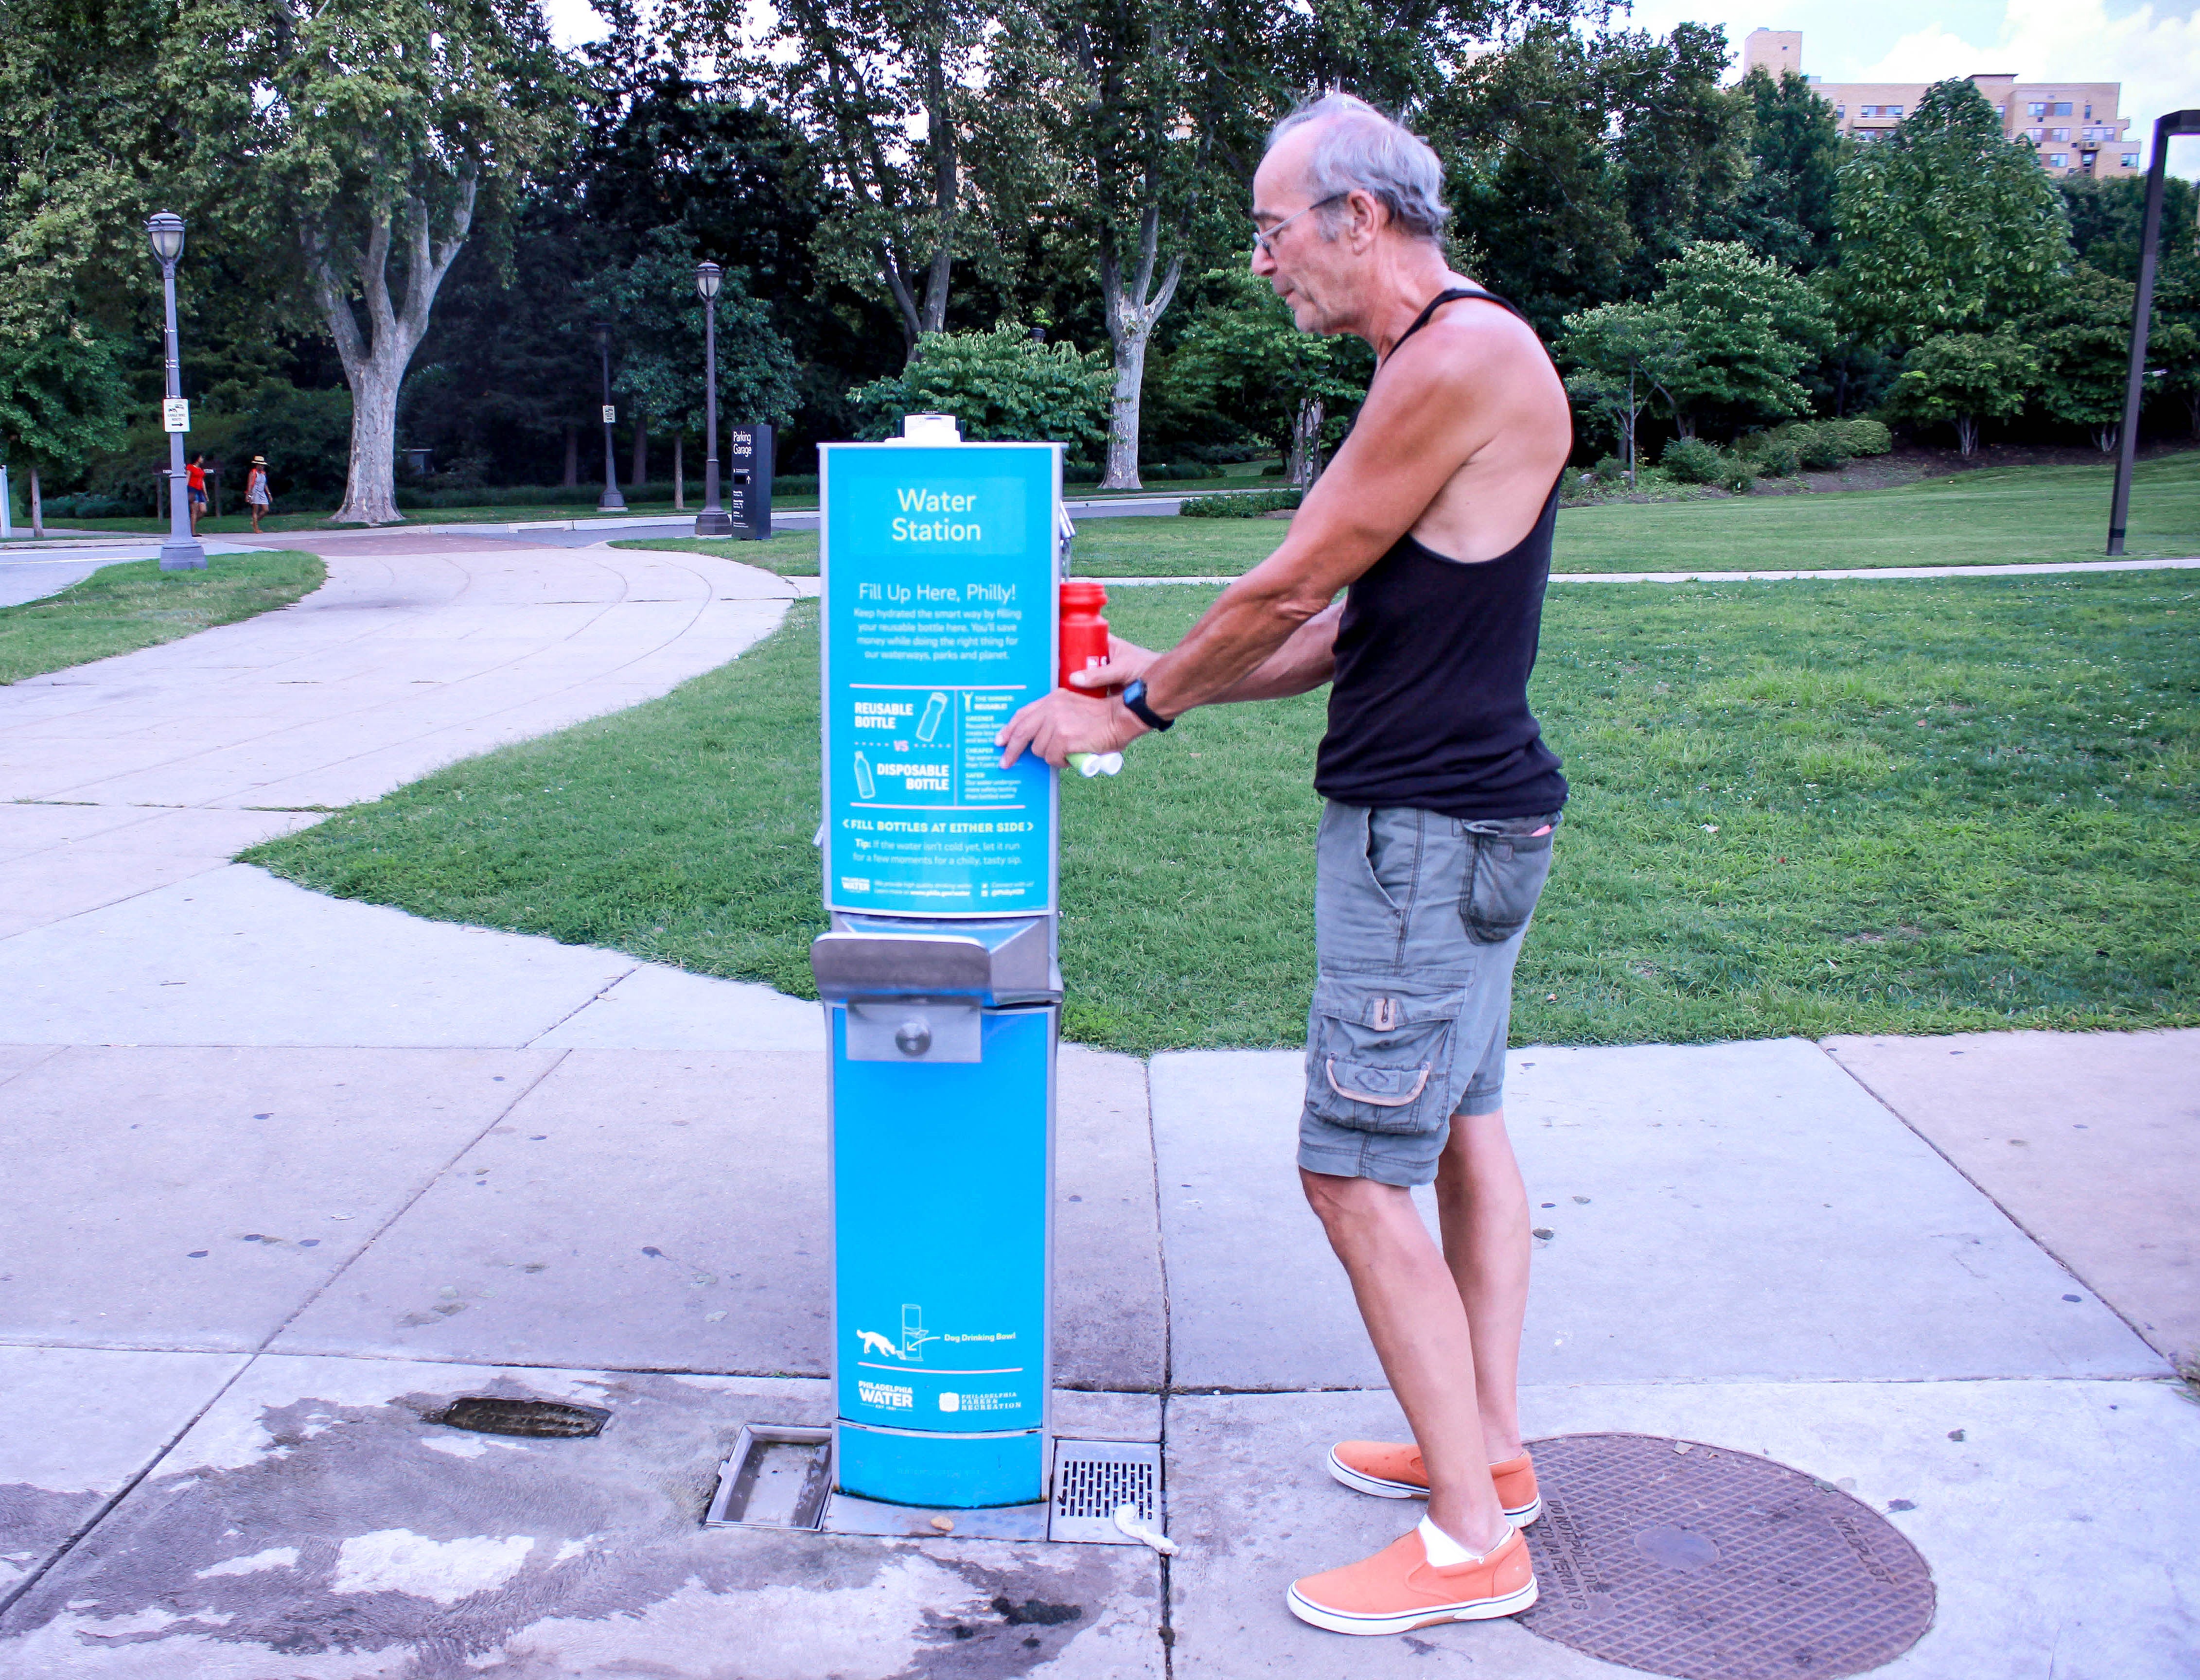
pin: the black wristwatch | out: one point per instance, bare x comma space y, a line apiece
1134, 697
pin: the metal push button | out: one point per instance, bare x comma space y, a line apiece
914, 1029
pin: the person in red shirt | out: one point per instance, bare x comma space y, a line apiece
195, 479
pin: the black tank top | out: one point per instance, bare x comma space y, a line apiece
1428, 706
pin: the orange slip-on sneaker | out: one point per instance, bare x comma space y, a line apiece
1389, 1471
1398, 1589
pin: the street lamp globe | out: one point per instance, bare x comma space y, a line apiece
708, 275
165, 230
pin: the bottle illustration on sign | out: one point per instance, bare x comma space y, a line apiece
934, 710
864, 785
913, 1338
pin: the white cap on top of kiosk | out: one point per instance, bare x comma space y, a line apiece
928, 428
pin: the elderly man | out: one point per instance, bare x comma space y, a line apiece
1436, 520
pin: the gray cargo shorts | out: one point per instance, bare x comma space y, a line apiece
1419, 919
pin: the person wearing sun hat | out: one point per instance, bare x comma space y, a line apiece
256, 490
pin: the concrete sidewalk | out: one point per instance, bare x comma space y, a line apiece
287, 1173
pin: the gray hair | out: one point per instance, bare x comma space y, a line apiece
1364, 150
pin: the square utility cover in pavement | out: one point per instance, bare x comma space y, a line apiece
314, 1525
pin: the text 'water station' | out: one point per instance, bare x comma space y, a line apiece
941, 565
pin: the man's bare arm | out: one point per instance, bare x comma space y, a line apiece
1420, 424
1302, 663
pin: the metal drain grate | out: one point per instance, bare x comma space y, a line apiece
1700, 1562
500, 1414
1093, 1478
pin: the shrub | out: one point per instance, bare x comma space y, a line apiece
1609, 471
999, 384
1246, 505
1692, 461
1779, 458
1863, 437
1180, 472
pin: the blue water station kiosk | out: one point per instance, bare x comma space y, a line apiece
941, 989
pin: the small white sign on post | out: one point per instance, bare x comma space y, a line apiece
175, 414
610, 415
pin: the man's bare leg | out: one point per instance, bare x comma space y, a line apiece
1415, 1315
1481, 1206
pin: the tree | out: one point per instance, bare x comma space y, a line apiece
1964, 378
661, 371
1622, 353
2175, 350
1945, 226
63, 397
1785, 210
1246, 359
2107, 216
384, 130
1579, 164
2083, 332
1746, 327
999, 384
889, 90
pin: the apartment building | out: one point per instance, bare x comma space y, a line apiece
2073, 127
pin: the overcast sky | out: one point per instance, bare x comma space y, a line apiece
2153, 48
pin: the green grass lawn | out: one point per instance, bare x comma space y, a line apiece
121, 608
1798, 808
2003, 516
2016, 514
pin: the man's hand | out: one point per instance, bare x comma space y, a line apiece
1127, 660
1064, 723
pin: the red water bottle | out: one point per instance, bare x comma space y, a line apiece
1083, 633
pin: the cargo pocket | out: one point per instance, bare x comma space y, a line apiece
1379, 1060
1509, 872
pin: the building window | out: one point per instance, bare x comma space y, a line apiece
2058, 134
2131, 159
1867, 110
1891, 110
2061, 109
2035, 135
2035, 109
2058, 160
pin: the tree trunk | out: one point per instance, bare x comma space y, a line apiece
1133, 305
1303, 460
370, 482
679, 474
1967, 434
640, 476
375, 360
37, 506
572, 457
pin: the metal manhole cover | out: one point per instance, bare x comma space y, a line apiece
1706, 1564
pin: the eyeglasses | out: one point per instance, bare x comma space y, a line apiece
1266, 241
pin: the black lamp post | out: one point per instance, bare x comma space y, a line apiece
611, 500
2177, 122
182, 551
713, 520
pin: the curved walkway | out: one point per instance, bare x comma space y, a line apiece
127, 785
